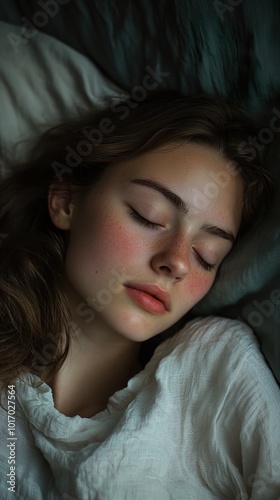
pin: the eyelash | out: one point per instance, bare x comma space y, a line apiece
142, 220
153, 225
204, 264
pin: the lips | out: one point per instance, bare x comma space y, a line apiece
155, 291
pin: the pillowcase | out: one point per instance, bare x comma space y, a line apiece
43, 84
231, 48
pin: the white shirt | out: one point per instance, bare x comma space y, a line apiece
201, 421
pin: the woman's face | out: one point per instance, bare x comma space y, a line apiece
130, 231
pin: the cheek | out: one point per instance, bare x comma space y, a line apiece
116, 241
121, 240
197, 285
104, 242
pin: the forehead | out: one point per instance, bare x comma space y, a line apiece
199, 174
174, 162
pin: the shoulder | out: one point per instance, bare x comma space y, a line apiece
219, 356
216, 330
213, 335
227, 401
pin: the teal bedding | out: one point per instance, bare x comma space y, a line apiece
228, 48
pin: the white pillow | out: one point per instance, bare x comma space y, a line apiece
42, 83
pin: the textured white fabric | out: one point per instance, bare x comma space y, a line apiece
201, 421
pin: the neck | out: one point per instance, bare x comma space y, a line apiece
100, 362
89, 376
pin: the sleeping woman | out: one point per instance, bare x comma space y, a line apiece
116, 228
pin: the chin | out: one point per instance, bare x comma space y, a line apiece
139, 327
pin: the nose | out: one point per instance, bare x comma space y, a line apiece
173, 259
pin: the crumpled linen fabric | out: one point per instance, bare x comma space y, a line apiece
200, 421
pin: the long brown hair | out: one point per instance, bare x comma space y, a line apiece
35, 322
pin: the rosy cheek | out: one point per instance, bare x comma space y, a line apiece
111, 241
125, 238
125, 244
198, 284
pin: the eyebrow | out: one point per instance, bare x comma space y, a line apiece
218, 231
183, 208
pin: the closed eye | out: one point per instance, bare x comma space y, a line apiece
203, 262
153, 225
142, 220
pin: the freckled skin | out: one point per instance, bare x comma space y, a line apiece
105, 239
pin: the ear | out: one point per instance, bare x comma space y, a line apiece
61, 204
